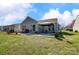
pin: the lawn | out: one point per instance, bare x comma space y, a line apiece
23, 44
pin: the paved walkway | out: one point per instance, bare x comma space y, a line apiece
42, 34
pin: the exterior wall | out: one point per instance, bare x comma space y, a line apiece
36, 27
76, 24
1, 28
28, 26
8, 27
17, 28
56, 28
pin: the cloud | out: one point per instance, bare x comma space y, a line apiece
67, 17
14, 13
63, 19
9, 2
41, 1
52, 13
75, 12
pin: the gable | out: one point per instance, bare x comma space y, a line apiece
28, 20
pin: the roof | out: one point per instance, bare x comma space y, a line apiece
48, 21
13, 24
22, 21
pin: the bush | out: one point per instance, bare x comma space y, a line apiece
37, 32
10, 31
16, 33
69, 29
57, 34
76, 31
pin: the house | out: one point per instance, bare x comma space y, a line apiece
76, 24
32, 26
70, 26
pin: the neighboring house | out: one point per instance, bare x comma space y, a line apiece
31, 25
70, 26
76, 24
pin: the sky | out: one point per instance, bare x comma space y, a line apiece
12, 13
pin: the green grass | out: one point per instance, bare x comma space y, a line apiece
36, 45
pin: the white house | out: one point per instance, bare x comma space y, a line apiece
76, 24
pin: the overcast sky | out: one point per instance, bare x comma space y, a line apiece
11, 13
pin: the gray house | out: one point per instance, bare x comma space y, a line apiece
31, 25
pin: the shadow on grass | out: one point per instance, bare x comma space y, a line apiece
60, 35
66, 33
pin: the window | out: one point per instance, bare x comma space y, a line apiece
34, 27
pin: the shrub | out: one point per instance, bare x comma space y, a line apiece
37, 32
70, 29
16, 33
10, 31
57, 34
76, 31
